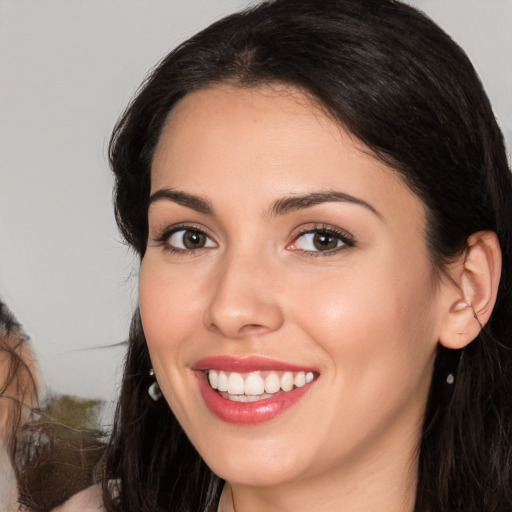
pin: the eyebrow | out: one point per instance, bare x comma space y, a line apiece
190, 201
293, 203
280, 207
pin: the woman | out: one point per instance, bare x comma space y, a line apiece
18, 392
320, 197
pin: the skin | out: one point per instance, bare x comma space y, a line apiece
367, 316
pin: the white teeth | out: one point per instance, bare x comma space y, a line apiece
247, 398
254, 385
222, 384
300, 379
235, 384
213, 378
287, 381
272, 383
238, 398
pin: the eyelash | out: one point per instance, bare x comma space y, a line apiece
163, 239
343, 236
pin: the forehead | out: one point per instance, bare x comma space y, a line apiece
276, 141
265, 114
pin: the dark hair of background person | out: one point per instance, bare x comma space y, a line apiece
400, 84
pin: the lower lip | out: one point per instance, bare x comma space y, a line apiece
248, 413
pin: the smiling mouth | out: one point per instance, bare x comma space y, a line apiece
257, 385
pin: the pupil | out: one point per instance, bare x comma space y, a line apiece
324, 241
193, 240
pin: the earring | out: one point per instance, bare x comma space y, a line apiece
450, 378
154, 389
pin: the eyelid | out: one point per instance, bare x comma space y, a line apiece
164, 235
344, 236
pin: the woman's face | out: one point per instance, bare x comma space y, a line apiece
283, 256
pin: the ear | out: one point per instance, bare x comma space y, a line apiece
474, 281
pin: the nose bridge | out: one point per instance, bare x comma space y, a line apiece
244, 301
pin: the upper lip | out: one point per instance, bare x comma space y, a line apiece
247, 364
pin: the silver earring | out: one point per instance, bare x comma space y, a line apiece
154, 389
450, 379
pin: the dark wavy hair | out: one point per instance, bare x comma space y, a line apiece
397, 82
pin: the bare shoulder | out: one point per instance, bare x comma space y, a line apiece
88, 500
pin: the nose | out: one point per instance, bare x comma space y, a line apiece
244, 301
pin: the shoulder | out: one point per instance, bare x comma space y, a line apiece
88, 500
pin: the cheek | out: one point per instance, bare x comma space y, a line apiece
380, 342
164, 320
167, 308
169, 302
376, 325
154, 306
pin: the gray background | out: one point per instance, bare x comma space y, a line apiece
67, 69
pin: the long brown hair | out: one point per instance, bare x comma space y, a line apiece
18, 377
18, 394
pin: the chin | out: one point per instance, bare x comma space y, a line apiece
262, 464
255, 476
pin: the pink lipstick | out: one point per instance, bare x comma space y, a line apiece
251, 390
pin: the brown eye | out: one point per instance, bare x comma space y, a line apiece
194, 239
189, 239
325, 241
321, 241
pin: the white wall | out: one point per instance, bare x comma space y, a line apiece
67, 69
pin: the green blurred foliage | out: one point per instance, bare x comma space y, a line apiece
74, 412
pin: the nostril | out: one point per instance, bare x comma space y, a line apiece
235, 316
244, 330
253, 329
